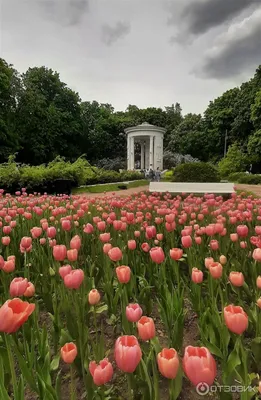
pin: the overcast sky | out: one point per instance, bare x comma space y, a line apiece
142, 52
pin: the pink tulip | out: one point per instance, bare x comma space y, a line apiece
64, 270
236, 278
176, 254
127, 353
186, 241
59, 252
66, 224
132, 244
18, 286
6, 240
75, 242
74, 279
157, 255
133, 312
115, 254
197, 275
94, 297
72, 255
51, 232
102, 372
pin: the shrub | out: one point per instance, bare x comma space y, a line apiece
250, 179
236, 176
196, 172
235, 161
113, 164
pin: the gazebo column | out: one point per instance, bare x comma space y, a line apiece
142, 154
151, 152
128, 153
132, 153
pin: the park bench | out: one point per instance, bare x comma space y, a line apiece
192, 187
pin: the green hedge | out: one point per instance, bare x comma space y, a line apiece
247, 179
196, 172
42, 178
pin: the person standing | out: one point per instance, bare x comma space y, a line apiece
157, 175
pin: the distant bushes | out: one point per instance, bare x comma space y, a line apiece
196, 172
248, 179
44, 178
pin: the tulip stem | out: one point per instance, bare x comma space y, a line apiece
72, 383
11, 363
129, 386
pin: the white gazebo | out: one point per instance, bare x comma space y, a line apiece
150, 139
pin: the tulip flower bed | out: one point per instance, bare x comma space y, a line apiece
141, 297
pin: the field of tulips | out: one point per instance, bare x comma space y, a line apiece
148, 297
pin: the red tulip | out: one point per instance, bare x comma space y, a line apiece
69, 353
127, 353
94, 297
199, 365
146, 328
59, 252
168, 363
102, 372
123, 274
176, 254
236, 319
115, 254
18, 286
157, 255
133, 312
197, 275
74, 279
236, 278
13, 314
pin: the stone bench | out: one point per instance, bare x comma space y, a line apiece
192, 187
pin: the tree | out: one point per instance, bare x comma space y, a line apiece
188, 137
48, 118
9, 93
242, 126
254, 145
234, 161
256, 111
217, 122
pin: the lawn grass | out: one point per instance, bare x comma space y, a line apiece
110, 187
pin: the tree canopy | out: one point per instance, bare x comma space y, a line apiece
41, 118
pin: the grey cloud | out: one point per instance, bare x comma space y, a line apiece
236, 52
110, 34
65, 12
202, 15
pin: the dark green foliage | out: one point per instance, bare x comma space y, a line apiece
248, 179
41, 178
196, 172
42, 118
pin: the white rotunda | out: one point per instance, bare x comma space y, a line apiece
150, 139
